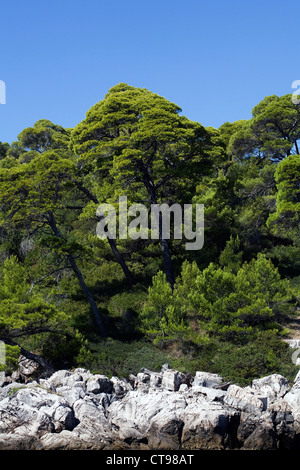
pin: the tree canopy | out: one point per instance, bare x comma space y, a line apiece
75, 299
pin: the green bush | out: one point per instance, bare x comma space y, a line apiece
12, 354
114, 357
231, 306
243, 363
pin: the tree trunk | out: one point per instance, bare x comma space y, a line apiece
111, 241
167, 260
168, 265
89, 296
78, 274
45, 365
120, 260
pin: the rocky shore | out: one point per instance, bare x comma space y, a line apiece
165, 410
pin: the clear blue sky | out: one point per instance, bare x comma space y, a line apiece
215, 59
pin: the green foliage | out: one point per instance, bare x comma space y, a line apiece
44, 135
121, 358
65, 349
23, 312
228, 304
13, 280
285, 221
4, 146
266, 355
231, 306
253, 299
272, 132
135, 142
232, 255
12, 354
159, 318
240, 363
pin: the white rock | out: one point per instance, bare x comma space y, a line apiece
98, 384
142, 377
272, 386
58, 378
172, 379
243, 400
120, 386
89, 409
155, 411
211, 394
133, 415
27, 367
71, 394
37, 409
206, 379
205, 424
297, 378
293, 399
10, 389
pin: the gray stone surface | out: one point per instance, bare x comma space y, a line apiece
153, 410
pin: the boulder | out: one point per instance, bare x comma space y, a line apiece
206, 425
211, 394
159, 423
119, 387
35, 410
245, 400
273, 386
99, 384
147, 379
206, 379
292, 398
58, 378
29, 369
172, 379
257, 432
165, 410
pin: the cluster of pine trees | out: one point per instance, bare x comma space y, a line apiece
75, 299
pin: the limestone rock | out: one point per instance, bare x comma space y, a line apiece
206, 379
172, 379
257, 432
153, 410
292, 398
273, 386
206, 425
245, 400
99, 384
29, 369
34, 410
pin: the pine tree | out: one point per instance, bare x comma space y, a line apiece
23, 312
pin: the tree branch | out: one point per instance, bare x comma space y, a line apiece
36, 281
29, 355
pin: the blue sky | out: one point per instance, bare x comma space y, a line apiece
215, 59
